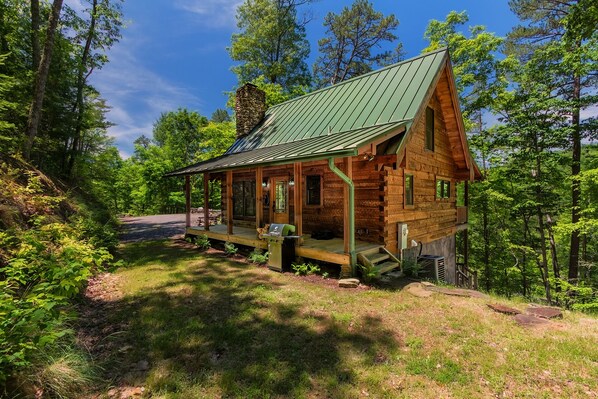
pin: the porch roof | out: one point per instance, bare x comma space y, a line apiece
321, 147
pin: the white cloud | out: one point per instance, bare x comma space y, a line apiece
589, 112
76, 5
211, 12
136, 94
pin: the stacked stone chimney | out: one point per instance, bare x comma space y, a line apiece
250, 108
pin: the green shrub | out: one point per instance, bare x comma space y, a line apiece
46, 267
368, 273
258, 257
230, 249
411, 267
305, 269
203, 242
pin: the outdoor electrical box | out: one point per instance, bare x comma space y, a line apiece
403, 233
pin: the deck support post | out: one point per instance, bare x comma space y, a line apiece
348, 207
298, 200
259, 194
188, 200
229, 202
206, 201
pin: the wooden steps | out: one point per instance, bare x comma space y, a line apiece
380, 259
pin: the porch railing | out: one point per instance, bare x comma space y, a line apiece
466, 277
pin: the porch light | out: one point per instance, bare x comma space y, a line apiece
291, 182
265, 183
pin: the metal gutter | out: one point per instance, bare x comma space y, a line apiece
349, 183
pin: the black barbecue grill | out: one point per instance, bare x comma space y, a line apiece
281, 246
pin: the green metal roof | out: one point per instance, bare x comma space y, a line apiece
336, 120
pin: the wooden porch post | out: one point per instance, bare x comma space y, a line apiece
298, 198
206, 201
346, 225
229, 201
188, 200
259, 194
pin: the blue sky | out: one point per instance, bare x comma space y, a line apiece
173, 52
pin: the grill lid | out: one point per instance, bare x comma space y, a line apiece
280, 229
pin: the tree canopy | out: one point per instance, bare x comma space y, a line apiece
353, 43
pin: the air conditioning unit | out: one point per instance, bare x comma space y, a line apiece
432, 266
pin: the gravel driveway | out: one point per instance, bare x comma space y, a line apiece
155, 227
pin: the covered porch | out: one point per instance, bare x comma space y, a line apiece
332, 251
276, 194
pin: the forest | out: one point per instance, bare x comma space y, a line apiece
529, 100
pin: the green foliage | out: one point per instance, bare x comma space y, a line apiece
46, 267
368, 273
230, 249
305, 269
479, 75
411, 267
203, 242
271, 43
258, 256
220, 115
352, 35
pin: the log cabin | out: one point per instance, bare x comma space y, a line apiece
379, 162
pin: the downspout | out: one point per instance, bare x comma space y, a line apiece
349, 183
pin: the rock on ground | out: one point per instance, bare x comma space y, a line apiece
497, 307
348, 283
545, 312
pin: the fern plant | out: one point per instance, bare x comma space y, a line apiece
230, 249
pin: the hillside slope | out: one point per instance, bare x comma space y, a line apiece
50, 244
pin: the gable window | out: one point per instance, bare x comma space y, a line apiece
313, 190
408, 190
443, 189
244, 198
429, 129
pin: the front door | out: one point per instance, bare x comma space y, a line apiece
280, 203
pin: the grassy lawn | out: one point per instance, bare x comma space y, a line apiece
209, 327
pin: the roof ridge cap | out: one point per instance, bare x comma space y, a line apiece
442, 49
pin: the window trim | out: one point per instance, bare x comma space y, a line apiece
427, 144
321, 204
412, 178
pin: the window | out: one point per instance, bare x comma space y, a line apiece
443, 189
429, 129
280, 196
408, 190
244, 198
313, 190
460, 188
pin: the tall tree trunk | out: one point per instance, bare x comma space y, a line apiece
575, 184
540, 216
35, 51
486, 236
40, 80
81, 79
524, 258
553, 253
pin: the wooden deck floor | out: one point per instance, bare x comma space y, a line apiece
324, 250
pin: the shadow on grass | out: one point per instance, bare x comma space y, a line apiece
231, 329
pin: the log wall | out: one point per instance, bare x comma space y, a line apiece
429, 218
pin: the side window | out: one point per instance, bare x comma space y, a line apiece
429, 129
244, 198
408, 190
443, 189
313, 188
460, 188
